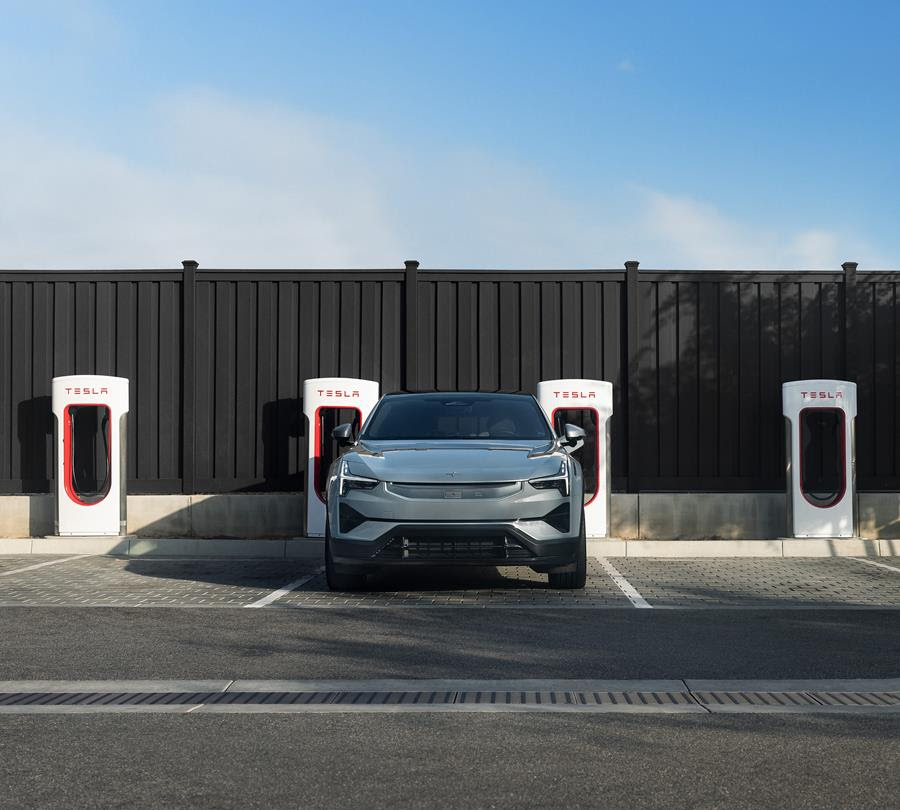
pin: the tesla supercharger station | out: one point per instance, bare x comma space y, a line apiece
587, 403
90, 412
821, 482
327, 403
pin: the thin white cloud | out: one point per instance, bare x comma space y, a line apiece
681, 231
815, 247
625, 66
237, 185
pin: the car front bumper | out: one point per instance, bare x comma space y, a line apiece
492, 524
456, 543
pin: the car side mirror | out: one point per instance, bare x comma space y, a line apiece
574, 436
343, 434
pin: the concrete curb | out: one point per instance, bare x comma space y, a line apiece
452, 684
278, 549
313, 548
780, 547
794, 685
128, 686
685, 548
158, 685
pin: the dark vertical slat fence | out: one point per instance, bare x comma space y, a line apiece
506, 331
259, 334
875, 342
714, 351
217, 358
125, 323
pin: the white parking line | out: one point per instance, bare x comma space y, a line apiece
880, 565
291, 586
41, 565
623, 584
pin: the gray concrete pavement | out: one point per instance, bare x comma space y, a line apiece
105, 618
266, 761
61, 643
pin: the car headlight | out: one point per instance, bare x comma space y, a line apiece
348, 481
558, 481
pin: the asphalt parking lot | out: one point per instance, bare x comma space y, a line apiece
242, 683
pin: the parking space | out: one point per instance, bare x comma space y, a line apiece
117, 582
87, 581
781, 583
464, 587
11, 565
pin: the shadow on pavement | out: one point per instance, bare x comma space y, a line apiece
251, 573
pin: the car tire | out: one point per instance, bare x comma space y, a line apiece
339, 580
570, 580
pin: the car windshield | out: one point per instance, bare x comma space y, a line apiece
457, 416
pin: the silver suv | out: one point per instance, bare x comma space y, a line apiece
455, 478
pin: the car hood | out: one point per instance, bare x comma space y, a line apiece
470, 461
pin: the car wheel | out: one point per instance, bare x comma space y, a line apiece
339, 580
569, 580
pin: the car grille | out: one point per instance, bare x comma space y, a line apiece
451, 491
454, 548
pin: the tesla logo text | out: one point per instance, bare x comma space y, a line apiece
82, 392
575, 394
337, 393
822, 394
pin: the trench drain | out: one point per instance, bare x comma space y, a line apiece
452, 700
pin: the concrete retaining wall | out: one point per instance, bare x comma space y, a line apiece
243, 515
735, 516
648, 516
706, 515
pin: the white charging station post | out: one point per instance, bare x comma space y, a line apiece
323, 400
90, 413
821, 482
595, 397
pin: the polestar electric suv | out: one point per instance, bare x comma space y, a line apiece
455, 478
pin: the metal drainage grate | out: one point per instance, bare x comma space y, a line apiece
532, 699
861, 699
106, 698
779, 699
573, 700
723, 701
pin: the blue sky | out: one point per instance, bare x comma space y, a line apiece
696, 134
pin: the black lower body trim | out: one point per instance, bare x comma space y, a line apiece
472, 544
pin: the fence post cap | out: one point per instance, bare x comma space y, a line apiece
189, 264
850, 266
411, 264
632, 263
